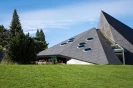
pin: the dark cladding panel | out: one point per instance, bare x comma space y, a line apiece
122, 34
120, 27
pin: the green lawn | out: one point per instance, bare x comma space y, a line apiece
66, 76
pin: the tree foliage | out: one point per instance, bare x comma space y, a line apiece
37, 35
2, 29
42, 36
15, 24
40, 42
21, 49
18, 47
4, 36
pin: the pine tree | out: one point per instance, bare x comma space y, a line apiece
40, 42
2, 29
15, 24
38, 35
1, 36
4, 36
42, 36
21, 47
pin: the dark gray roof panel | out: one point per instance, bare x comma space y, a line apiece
123, 29
57, 49
111, 57
95, 55
119, 39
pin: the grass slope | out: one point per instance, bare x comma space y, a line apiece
66, 76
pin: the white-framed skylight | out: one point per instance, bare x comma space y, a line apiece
87, 49
82, 43
88, 39
81, 46
62, 44
71, 40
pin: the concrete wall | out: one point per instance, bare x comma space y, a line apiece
104, 26
74, 61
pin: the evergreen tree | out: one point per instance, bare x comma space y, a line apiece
15, 24
2, 29
1, 34
38, 35
4, 36
40, 42
21, 49
42, 36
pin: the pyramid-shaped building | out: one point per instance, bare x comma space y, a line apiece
110, 43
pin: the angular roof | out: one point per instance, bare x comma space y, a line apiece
116, 31
100, 52
119, 33
120, 27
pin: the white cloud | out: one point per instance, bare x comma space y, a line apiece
64, 17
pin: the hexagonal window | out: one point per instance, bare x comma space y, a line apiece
87, 49
89, 39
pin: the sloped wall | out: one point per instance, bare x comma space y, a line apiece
120, 33
105, 27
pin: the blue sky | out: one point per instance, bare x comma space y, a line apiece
62, 19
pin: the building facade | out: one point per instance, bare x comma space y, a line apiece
110, 43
